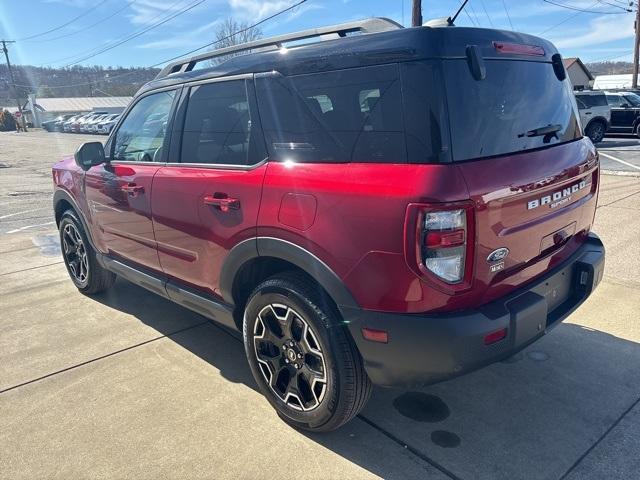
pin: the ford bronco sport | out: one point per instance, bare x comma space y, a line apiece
390, 206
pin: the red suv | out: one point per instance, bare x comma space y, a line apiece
390, 206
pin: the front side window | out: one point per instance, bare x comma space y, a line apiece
633, 100
613, 100
140, 136
217, 126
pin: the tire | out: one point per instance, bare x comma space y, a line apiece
595, 131
80, 259
303, 359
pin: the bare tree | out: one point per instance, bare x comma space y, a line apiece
232, 32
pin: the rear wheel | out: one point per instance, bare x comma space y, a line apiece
80, 258
595, 131
304, 362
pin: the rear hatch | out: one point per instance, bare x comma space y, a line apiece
517, 141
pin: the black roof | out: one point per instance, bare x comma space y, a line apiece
401, 45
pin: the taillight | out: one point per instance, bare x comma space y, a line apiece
443, 242
443, 251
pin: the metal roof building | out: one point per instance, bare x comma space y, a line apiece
49, 108
80, 104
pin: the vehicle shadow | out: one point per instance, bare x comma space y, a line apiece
546, 400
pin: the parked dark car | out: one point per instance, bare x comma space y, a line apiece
625, 112
390, 206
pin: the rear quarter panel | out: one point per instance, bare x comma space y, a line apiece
351, 216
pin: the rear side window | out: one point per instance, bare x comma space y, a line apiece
352, 115
511, 110
217, 127
590, 101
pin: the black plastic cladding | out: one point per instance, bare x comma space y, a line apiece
402, 45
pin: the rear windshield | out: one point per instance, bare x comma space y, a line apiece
590, 101
508, 111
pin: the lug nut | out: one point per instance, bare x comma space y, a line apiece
296, 365
291, 344
284, 347
299, 355
286, 360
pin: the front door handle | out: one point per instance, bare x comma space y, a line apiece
222, 202
132, 189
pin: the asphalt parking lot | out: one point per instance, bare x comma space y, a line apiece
127, 384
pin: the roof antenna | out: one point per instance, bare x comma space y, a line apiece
451, 20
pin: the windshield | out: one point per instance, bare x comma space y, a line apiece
633, 99
520, 105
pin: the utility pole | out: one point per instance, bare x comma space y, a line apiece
634, 82
416, 13
13, 81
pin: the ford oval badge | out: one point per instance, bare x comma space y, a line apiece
498, 254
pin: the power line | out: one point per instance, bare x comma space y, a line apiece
94, 49
127, 5
131, 37
506, 10
484, 7
603, 2
569, 7
473, 11
87, 12
162, 62
573, 15
612, 58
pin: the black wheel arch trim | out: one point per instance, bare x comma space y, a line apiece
290, 252
60, 195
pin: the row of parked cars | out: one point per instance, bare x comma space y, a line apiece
604, 112
93, 122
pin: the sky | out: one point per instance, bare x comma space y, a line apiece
83, 28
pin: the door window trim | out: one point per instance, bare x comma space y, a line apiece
167, 138
181, 114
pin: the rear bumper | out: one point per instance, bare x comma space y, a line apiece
424, 349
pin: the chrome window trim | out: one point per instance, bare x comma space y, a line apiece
221, 166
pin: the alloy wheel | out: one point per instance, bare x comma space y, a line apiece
75, 253
290, 357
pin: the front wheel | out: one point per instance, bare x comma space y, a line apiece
595, 131
79, 257
303, 360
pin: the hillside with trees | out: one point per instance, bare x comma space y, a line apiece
76, 81
609, 68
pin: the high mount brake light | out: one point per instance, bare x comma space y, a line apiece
518, 49
440, 243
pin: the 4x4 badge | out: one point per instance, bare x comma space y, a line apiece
498, 254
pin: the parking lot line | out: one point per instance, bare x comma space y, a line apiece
30, 226
19, 213
615, 159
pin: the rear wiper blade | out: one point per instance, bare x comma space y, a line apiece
543, 131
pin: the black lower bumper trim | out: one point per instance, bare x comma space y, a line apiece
424, 349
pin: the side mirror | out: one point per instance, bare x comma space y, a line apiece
89, 155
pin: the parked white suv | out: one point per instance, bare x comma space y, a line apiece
595, 113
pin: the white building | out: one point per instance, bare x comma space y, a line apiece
604, 82
49, 108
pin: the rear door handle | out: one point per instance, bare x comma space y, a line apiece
132, 189
222, 202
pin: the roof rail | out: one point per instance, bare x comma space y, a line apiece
369, 25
